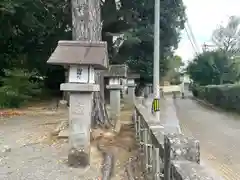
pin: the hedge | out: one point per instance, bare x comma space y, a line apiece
226, 96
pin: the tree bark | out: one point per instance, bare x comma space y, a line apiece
86, 23
87, 26
86, 20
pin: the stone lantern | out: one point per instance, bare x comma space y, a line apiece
148, 89
131, 86
81, 58
115, 73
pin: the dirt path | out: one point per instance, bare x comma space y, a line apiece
28, 151
34, 154
218, 133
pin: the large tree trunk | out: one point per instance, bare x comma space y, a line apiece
87, 26
86, 20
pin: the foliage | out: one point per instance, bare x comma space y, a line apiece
18, 87
226, 96
173, 74
222, 65
30, 30
137, 19
213, 67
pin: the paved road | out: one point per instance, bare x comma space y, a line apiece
219, 135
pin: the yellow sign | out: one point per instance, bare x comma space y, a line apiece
156, 105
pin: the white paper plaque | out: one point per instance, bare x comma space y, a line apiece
131, 81
114, 81
81, 74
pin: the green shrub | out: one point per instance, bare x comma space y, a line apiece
226, 96
195, 89
17, 87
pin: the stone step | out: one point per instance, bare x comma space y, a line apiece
64, 133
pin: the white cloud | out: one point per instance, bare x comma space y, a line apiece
203, 17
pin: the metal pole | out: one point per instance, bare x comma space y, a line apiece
156, 64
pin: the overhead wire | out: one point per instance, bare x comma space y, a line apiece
190, 34
192, 43
193, 37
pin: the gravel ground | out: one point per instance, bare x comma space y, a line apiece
28, 152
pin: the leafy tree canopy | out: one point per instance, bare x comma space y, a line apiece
137, 49
213, 67
30, 30
173, 73
222, 65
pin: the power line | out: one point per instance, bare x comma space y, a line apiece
190, 35
192, 43
193, 37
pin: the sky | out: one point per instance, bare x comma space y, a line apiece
204, 16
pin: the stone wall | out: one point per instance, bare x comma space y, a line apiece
167, 154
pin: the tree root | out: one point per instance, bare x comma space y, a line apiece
108, 163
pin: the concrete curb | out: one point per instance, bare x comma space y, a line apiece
203, 102
215, 108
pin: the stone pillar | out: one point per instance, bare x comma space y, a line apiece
131, 91
66, 94
179, 148
81, 85
115, 101
146, 91
125, 86
149, 89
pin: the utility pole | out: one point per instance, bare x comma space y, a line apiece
204, 47
207, 46
156, 63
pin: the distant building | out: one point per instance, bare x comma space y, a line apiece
166, 83
185, 78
